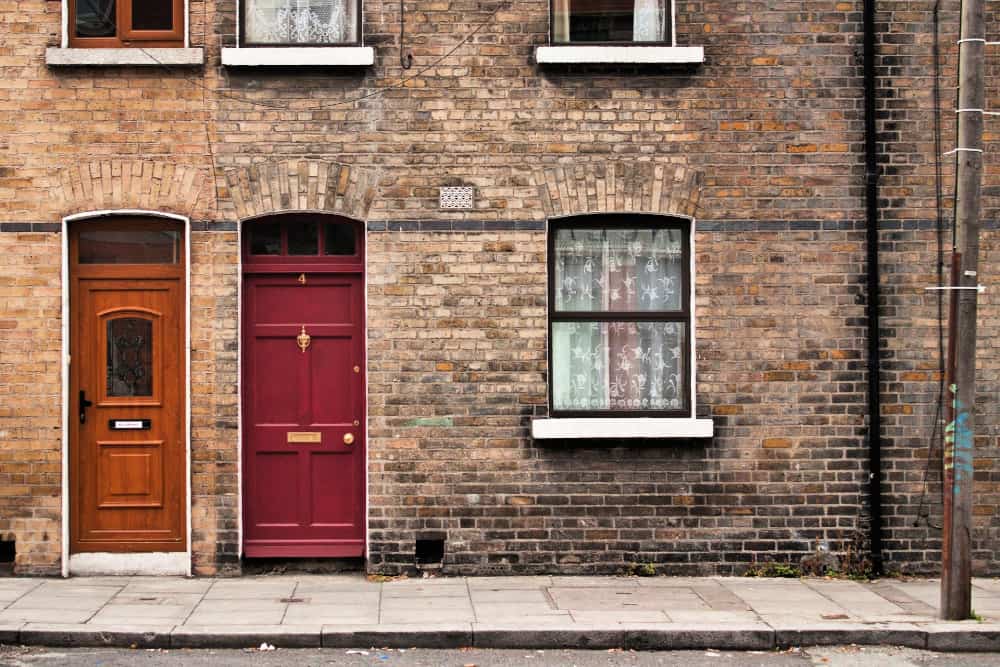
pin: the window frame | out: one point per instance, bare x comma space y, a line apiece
243, 43
670, 37
684, 315
125, 37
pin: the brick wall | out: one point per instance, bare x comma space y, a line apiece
767, 136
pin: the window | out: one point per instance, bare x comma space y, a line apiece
301, 238
300, 22
611, 21
137, 23
620, 324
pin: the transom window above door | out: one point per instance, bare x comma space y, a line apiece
611, 21
126, 23
300, 22
302, 237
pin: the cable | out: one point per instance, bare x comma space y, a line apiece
923, 511
399, 84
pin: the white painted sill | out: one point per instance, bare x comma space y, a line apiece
67, 57
299, 56
627, 427
623, 55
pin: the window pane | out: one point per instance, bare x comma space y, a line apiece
152, 14
95, 18
618, 365
265, 239
301, 21
619, 270
610, 20
130, 357
303, 239
129, 246
339, 239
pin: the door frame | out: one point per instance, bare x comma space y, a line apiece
154, 563
363, 238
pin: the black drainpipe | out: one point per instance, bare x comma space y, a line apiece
871, 211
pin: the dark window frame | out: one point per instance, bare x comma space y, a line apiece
668, 32
244, 43
684, 315
126, 37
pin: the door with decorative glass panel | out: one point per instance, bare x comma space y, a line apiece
127, 395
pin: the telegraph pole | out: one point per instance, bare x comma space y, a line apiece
956, 556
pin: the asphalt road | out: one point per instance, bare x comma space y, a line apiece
826, 656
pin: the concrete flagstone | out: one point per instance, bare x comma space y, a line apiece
535, 612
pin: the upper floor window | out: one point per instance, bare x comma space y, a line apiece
300, 22
611, 21
138, 23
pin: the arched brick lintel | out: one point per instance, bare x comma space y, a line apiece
302, 185
620, 187
130, 184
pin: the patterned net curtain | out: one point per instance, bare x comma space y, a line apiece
649, 19
301, 22
618, 365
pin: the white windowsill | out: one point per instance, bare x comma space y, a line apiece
299, 56
621, 427
56, 56
654, 55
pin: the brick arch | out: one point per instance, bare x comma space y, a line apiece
130, 184
620, 187
302, 185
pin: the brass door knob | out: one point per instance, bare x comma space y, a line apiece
348, 438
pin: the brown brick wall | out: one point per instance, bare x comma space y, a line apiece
766, 140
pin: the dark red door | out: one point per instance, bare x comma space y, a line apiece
303, 399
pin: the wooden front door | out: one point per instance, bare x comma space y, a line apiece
127, 446
303, 391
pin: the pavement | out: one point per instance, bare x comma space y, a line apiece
544, 612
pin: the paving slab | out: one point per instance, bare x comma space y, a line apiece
165, 585
228, 636
141, 614
71, 634
46, 615
438, 616
230, 618
252, 589
501, 610
508, 583
514, 596
629, 598
613, 618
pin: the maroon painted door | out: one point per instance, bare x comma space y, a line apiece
303, 400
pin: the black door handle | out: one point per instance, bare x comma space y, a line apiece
84, 404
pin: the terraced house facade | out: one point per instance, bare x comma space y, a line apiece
570, 286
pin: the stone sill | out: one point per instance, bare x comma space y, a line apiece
580, 428
299, 56
620, 55
59, 57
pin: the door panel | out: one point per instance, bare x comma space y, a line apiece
304, 485
127, 446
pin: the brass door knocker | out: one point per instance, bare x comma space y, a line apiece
303, 339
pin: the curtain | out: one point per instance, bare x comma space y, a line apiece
301, 21
618, 365
648, 24
560, 20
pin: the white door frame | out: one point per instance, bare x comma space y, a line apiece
178, 563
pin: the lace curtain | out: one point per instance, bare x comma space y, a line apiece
648, 17
301, 21
618, 365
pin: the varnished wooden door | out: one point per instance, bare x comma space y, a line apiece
127, 396
303, 399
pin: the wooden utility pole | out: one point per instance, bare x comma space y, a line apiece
956, 557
